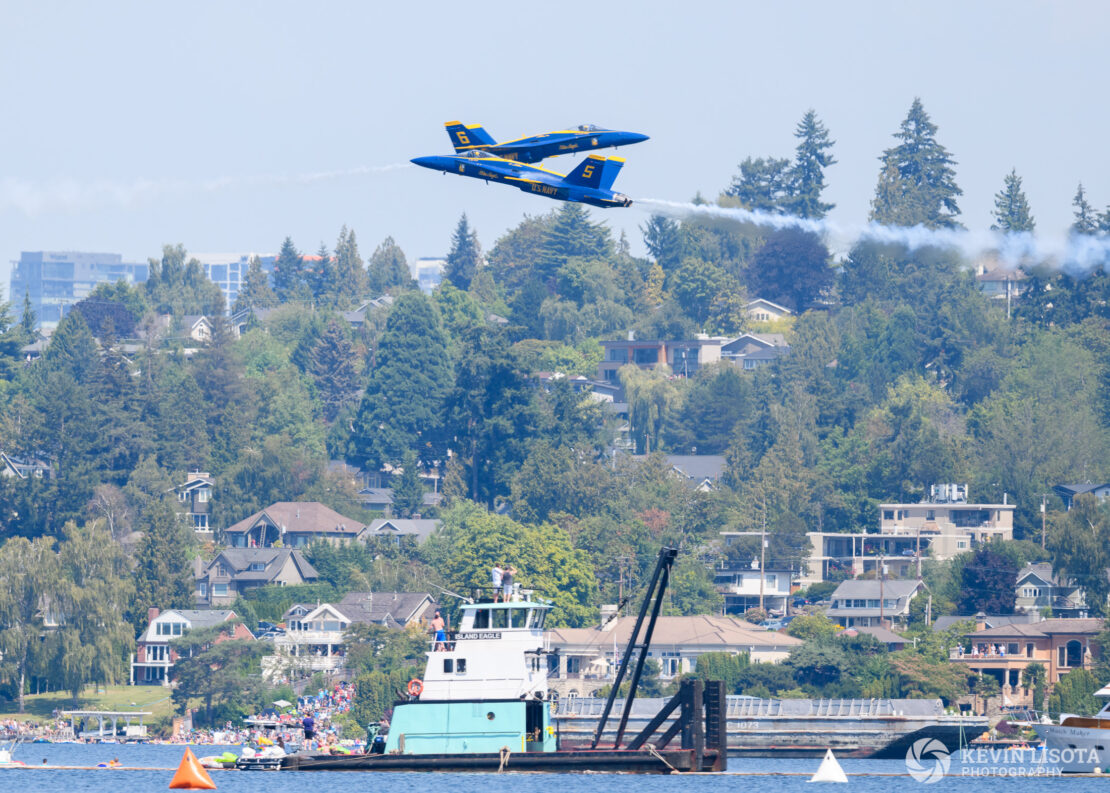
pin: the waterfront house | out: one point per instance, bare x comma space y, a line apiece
866, 602
1059, 645
154, 657
194, 496
744, 586
293, 524
315, 634
585, 659
1039, 589
236, 570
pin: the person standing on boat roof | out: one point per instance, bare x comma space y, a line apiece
495, 576
507, 581
439, 633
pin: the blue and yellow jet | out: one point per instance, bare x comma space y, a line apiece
589, 183
585, 137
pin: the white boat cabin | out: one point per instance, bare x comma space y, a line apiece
497, 653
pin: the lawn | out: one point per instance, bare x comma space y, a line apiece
155, 699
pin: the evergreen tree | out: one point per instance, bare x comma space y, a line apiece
163, 573
571, 234
1086, 221
917, 183
11, 341
1103, 226
27, 320
408, 492
229, 397
807, 176
351, 278
255, 291
389, 270
1011, 210
663, 239
465, 257
763, 185
331, 366
325, 278
402, 408
290, 279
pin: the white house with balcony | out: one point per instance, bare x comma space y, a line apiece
315, 635
869, 602
940, 527
746, 587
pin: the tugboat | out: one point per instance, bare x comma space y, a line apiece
482, 705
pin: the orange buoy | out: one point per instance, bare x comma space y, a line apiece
416, 686
191, 774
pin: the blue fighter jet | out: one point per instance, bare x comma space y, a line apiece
585, 137
589, 183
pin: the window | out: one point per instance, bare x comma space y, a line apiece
481, 619
1012, 648
222, 570
1029, 650
202, 588
574, 665
772, 581
181, 496
331, 625
961, 544
257, 567
930, 514
460, 666
448, 665
219, 590
888, 514
500, 618
646, 355
200, 522
618, 354
156, 652
203, 495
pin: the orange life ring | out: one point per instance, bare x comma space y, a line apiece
416, 685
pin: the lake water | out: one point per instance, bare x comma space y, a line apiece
744, 776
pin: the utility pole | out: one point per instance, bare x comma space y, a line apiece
882, 582
762, 556
1043, 530
929, 610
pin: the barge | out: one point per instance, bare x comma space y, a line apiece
482, 705
859, 728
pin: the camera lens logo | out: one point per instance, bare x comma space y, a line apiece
927, 760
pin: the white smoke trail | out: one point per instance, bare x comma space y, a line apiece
1076, 254
32, 198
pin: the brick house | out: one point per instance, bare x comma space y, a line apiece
154, 658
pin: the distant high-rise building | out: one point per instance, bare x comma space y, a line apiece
228, 270
429, 273
55, 280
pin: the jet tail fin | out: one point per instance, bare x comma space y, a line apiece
596, 171
464, 138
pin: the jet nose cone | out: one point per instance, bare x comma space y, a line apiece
425, 162
636, 137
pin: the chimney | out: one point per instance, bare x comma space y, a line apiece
980, 621
152, 614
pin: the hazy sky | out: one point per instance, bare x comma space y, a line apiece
130, 125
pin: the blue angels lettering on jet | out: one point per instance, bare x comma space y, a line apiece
584, 137
589, 183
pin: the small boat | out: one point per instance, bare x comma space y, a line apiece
1079, 744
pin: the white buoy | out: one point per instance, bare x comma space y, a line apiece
829, 770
